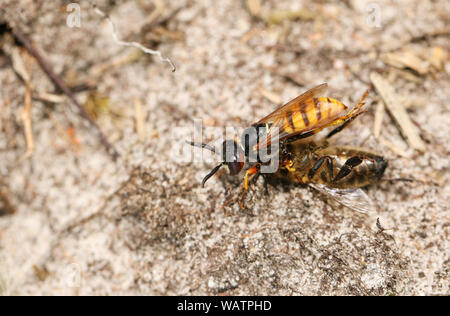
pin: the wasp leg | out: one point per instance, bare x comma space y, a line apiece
266, 184
249, 172
357, 109
346, 119
266, 181
347, 168
344, 125
301, 136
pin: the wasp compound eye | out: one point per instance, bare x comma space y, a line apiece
232, 156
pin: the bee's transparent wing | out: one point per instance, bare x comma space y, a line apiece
356, 198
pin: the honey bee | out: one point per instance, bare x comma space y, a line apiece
336, 171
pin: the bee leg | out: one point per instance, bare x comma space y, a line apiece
319, 163
301, 136
347, 168
252, 170
266, 182
346, 119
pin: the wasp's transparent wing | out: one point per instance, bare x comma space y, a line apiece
291, 105
354, 198
305, 115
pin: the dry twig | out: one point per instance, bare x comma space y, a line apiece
59, 83
271, 96
6, 207
26, 117
398, 111
379, 114
23, 69
140, 119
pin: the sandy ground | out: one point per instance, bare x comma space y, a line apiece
144, 225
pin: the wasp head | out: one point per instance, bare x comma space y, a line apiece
232, 158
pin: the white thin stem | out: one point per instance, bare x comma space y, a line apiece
132, 44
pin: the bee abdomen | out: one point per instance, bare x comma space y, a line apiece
368, 171
350, 171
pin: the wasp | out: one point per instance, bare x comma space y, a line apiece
337, 171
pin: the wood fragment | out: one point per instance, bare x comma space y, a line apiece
278, 17
59, 83
19, 65
96, 104
140, 119
254, 8
271, 96
50, 97
292, 77
26, 118
395, 149
6, 207
413, 103
379, 114
159, 8
116, 61
22, 66
398, 111
436, 56
433, 34
41, 273
406, 59
404, 74
249, 35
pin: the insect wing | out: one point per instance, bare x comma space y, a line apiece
291, 105
301, 116
354, 198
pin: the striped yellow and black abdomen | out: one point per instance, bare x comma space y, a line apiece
312, 113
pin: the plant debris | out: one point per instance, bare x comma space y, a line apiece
398, 111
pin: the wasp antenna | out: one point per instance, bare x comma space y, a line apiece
202, 145
209, 175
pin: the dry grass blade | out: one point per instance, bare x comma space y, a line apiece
26, 117
140, 119
254, 8
6, 207
406, 59
19, 65
398, 111
117, 61
22, 66
395, 149
50, 97
60, 84
379, 114
271, 96
280, 16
